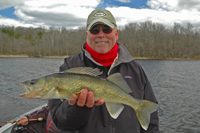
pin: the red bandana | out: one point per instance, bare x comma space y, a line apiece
105, 59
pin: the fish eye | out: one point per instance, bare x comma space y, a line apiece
32, 82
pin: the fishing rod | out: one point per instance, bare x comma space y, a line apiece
38, 119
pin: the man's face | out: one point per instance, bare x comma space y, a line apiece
102, 42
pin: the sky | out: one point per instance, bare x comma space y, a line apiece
73, 14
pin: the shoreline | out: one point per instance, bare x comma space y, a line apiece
137, 58
26, 56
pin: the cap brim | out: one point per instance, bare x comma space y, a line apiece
100, 21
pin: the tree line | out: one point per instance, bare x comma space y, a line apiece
145, 39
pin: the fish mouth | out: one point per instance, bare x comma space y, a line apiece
26, 88
29, 92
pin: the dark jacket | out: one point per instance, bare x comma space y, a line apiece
45, 126
45, 114
97, 119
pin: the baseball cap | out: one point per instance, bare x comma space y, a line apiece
100, 16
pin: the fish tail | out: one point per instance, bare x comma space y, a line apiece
144, 111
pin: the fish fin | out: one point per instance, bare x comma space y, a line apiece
78, 93
49, 94
114, 109
117, 79
85, 71
144, 111
65, 94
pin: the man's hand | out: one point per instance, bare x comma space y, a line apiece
23, 121
86, 98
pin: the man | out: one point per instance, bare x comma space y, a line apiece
84, 114
45, 125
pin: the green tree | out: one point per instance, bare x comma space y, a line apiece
18, 35
11, 33
40, 33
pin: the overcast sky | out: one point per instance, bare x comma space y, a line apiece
73, 13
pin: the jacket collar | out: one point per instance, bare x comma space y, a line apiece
123, 55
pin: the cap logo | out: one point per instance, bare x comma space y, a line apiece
100, 14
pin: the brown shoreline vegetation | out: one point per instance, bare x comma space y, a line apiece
137, 58
144, 40
26, 56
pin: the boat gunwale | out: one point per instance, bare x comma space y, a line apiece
8, 127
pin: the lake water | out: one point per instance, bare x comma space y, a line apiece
176, 84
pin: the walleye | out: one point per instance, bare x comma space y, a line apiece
114, 90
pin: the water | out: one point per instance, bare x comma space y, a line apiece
175, 83
16, 70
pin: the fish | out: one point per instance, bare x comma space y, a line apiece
114, 90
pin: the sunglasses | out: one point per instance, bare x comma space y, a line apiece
96, 30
